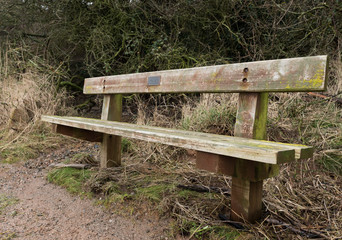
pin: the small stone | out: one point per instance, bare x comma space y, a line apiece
14, 213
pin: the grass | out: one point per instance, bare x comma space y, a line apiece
126, 145
207, 232
6, 201
332, 162
19, 152
130, 191
154, 193
70, 178
28, 146
7, 235
209, 117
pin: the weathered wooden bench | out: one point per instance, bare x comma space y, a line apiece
246, 156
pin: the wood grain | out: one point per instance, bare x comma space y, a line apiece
261, 151
284, 75
251, 118
111, 144
79, 133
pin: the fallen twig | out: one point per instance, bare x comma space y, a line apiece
302, 232
199, 188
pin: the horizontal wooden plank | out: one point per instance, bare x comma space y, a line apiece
284, 75
250, 149
79, 133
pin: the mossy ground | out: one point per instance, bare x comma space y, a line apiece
27, 146
135, 190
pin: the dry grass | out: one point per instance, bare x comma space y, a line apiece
32, 94
303, 201
23, 101
27, 90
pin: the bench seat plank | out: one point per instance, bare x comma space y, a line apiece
250, 149
284, 75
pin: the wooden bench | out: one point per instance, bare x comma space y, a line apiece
246, 156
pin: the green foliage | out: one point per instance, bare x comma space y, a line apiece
70, 178
92, 38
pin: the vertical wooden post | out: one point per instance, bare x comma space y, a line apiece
246, 201
111, 145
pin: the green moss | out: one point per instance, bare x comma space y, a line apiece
70, 178
187, 194
155, 192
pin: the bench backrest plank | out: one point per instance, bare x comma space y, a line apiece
285, 75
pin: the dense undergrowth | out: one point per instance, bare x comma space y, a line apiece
48, 47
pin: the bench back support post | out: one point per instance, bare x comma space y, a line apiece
111, 145
251, 119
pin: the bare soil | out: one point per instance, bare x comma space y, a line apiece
46, 211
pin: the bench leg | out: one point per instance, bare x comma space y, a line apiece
251, 120
246, 200
110, 151
111, 145
247, 180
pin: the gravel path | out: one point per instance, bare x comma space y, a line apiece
46, 211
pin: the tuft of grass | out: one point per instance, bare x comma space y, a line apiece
332, 162
7, 235
28, 146
154, 193
126, 145
209, 116
17, 153
6, 201
205, 231
70, 178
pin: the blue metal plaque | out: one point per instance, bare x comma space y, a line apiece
153, 81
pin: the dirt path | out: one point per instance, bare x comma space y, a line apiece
46, 211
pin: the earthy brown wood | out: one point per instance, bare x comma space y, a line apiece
264, 151
251, 123
246, 200
215, 163
284, 75
111, 144
79, 133
229, 166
